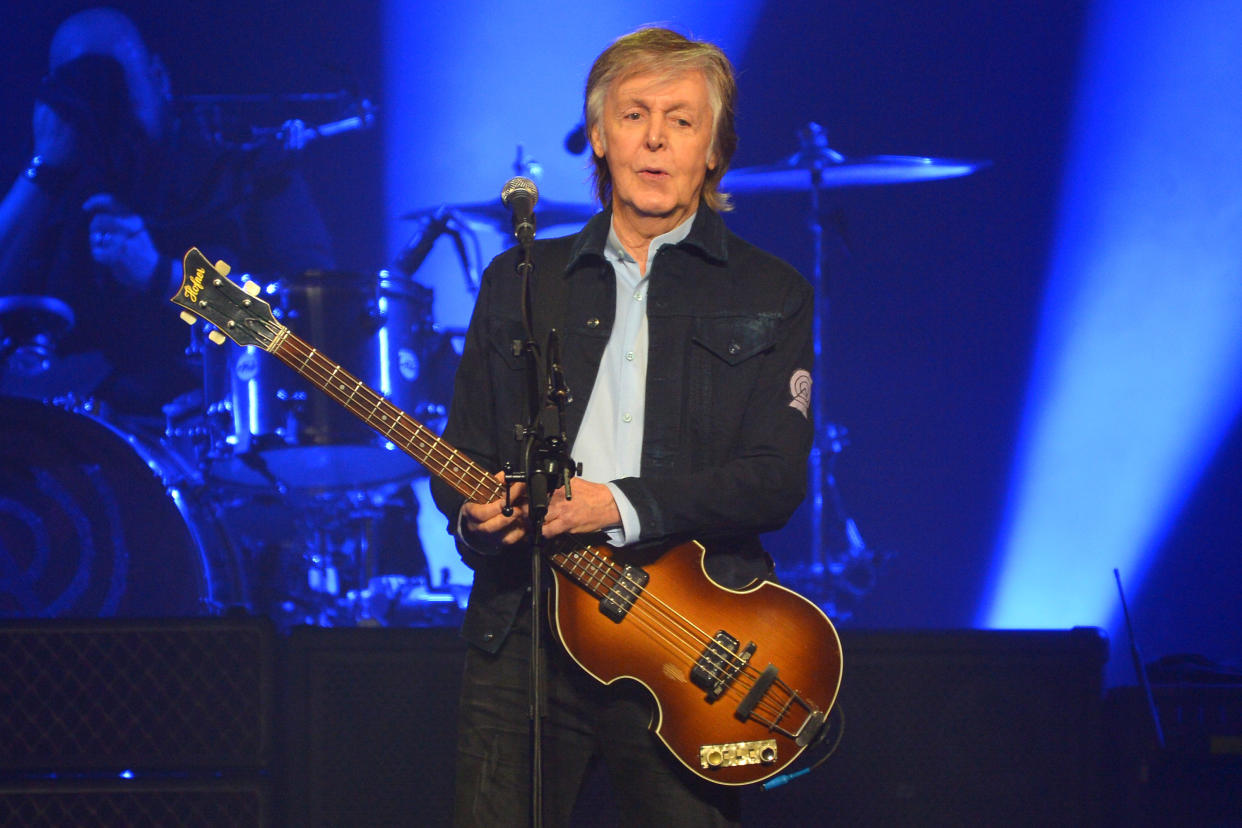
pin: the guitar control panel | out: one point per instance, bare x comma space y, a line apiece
762, 752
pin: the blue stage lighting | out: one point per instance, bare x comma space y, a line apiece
1137, 374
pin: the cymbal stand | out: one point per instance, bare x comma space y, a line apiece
813, 155
834, 569
822, 446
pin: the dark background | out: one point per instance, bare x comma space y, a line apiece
934, 291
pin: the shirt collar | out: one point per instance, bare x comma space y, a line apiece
707, 234
616, 251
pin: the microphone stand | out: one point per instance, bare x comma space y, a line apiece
546, 464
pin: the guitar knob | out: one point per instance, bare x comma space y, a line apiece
251, 288
188, 318
222, 268
217, 337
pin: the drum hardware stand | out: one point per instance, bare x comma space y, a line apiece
816, 167
336, 540
812, 138
829, 565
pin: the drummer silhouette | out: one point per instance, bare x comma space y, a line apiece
116, 190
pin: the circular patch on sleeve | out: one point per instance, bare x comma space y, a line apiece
800, 390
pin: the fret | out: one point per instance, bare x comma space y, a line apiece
388, 420
327, 382
378, 402
438, 457
350, 399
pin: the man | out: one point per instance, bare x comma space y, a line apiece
687, 352
115, 193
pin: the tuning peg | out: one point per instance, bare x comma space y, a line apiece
217, 337
222, 268
188, 318
251, 288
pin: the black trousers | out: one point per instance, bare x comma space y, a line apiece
586, 722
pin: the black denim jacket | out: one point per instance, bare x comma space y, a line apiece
725, 442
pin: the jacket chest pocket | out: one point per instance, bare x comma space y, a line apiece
725, 361
733, 340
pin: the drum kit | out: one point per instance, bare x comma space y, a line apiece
252, 493
257, 493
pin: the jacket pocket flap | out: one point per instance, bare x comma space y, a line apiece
736, 339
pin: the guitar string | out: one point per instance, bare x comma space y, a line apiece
343, 387
347, 388
743, 672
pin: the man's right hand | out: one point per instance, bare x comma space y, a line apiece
487, 530
54, 139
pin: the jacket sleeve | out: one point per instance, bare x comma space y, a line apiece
471, 428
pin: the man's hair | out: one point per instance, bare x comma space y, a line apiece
665, 52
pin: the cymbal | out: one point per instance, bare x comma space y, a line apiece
817, 166
848, 172
548, 213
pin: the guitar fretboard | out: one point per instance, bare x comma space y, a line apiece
587, 565
415, 439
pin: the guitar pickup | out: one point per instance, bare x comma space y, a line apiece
617, 601
719, 664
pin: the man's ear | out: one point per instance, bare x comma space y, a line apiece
598, 145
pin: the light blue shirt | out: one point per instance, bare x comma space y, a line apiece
610, 440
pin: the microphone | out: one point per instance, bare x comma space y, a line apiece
520, 195
576, 140
418, 248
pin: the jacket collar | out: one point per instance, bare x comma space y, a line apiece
708, 235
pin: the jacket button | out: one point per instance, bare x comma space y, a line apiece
734, 347
593, 322
487, 636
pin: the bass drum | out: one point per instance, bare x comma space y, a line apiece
274, 429
98, 522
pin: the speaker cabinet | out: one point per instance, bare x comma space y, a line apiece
370, 726
150, 695
138, 803
957, 728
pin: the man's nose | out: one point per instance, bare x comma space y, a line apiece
655, 133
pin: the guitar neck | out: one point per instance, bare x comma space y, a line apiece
581, 562
467, 477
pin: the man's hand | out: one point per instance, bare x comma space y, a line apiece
593, 509
119, 241
487, 530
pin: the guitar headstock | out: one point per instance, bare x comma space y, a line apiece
206, 292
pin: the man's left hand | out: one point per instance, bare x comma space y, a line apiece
592, 509
119, 241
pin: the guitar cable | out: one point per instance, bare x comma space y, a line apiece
838, 732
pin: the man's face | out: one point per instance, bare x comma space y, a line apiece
656, 134
110, 33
